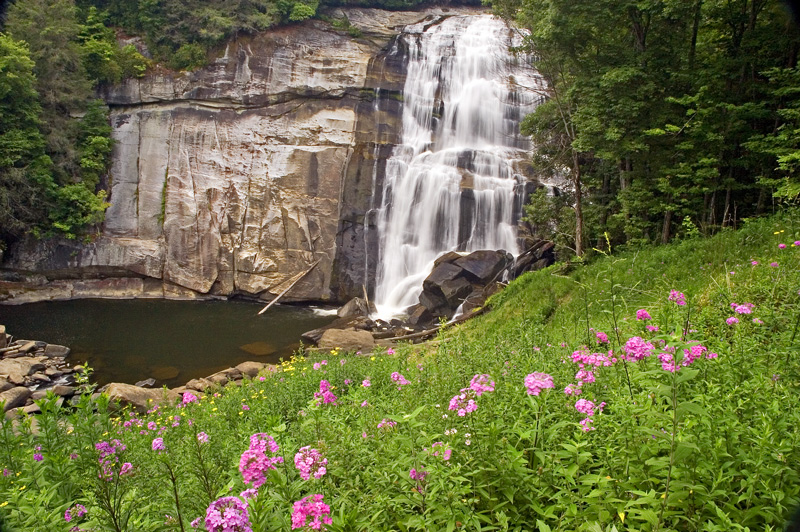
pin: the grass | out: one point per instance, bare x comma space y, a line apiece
714, 446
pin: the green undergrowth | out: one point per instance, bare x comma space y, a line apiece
713, 446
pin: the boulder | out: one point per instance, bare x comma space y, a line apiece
3, 337
53, 350
5, 385
62, 390
147, 383
141, 399
258, 349
356, 307
484, 266
250, 369
441, 273
455, 291
419, 315
27, 347
200, 385
18, 368
347, 340
14, 397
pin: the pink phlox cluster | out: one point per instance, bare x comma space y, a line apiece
256, 461
584, 406
463, 403
318, 365
584, 377
248, 494
366, 383
667, 362
440, 448
781, 246
602, 338
158, 444
481, 384
76, 511
125, 468
390, 351
188, 398
310, 462
642, 314
677, 297
228, 514
399, 379
536, 382
651, 328
387, 424
584, 357
418, 474
693, 353
637, 348
733, 320
312, 508
744, 308
202, 437
109, 457
324, 396
572, 389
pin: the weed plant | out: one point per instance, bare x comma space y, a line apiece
648, 391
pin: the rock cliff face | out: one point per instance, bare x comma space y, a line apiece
235, 178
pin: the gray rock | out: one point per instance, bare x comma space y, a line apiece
32, 409
15, 397
3, 337
141, 399
347, 340
147, 383
21, 366
485, 265
53, 350
41, 377
5, 385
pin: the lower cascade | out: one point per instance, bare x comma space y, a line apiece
455, 182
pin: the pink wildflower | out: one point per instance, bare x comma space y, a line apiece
773, 264
158, 444
400, 380
651, 328
481, 384
365, 383
312, 508
781, 246
536, 382
387, 424
602, 338
637, 349
324, 396
189, 397
642, 314
677, 297
255, 462
463, 403
228, 514
310, 462
733, 320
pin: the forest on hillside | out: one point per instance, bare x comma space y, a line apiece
669, 117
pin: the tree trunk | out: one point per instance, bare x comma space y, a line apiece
665, 232
727, 210
576, 180
695, 28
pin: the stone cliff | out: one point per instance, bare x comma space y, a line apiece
235, 178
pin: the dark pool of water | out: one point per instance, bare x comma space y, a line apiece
172, 341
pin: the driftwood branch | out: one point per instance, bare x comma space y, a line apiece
300, 276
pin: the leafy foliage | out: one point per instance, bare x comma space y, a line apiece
663, 110
713, 446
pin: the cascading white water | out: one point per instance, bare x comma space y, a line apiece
451, 184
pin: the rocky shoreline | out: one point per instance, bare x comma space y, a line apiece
30, 369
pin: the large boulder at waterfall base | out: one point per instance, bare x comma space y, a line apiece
141, 399
346, 340
457, 278
484, 266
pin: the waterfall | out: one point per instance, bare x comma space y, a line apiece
452, 183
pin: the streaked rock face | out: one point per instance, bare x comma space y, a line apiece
235, 178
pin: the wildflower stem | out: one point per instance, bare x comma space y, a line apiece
174, 482
671, 448
794, 334
616, 332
